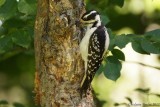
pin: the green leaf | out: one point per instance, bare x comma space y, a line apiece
18, 105
5, 44
150, 47
27, 7
153, 32
154, 35
136, 45
30, 31
3, 102
2, 2
112, 40
155, 38
129, 100
143, 90
105, 19
13, 23
118, 54
111, 44
2, 31
120, 3
122, 40
111, 35
158, 95
8, 9
21, 38
112, 68
116, 104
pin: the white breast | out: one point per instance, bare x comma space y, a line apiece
85, 42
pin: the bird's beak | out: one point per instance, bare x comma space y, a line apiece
87, 22
82, 23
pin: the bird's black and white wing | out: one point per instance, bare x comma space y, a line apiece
96, 49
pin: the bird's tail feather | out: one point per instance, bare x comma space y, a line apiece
85, 85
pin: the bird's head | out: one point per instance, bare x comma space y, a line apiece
91, 19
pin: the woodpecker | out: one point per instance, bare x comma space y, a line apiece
93, 46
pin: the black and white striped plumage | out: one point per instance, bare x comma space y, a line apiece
93, 46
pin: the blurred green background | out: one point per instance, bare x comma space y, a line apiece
17, 64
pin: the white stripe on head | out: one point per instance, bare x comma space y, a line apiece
90, 13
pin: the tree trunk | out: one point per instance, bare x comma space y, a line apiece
59, 67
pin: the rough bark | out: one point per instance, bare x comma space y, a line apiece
59, 67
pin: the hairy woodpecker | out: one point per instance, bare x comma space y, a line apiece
93, 46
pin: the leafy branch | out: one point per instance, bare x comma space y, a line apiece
17, 30
147, 43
